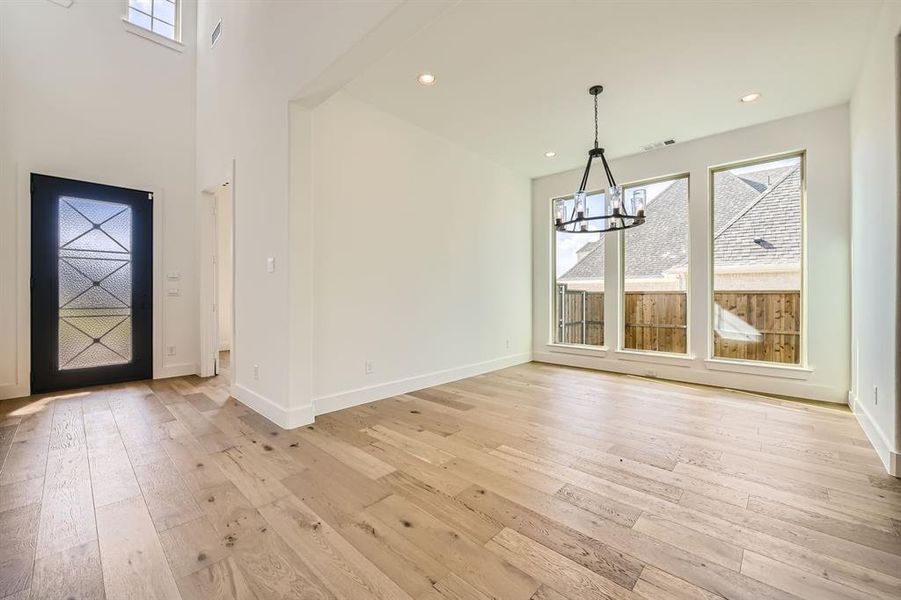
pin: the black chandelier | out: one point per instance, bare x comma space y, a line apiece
619, 213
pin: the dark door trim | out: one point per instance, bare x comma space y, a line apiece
46, 374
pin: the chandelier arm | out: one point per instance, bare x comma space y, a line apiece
585, 175
610, 179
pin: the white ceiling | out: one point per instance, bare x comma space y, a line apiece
513, 76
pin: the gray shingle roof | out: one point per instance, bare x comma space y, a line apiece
763, 205
768, 231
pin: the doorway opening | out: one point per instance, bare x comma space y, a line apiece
218, 343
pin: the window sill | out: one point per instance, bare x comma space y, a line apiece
578, 350
153, 37
753, 368
660, 358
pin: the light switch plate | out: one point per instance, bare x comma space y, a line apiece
270, 265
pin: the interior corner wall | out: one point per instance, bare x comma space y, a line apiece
824, 134
266, 54
421, 258
875, 199
83, 98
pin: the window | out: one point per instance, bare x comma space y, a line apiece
757, 260
579, 281
655, 269
158, 16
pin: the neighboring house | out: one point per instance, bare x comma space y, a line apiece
757, 242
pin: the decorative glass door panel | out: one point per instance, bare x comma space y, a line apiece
97, 330
94, 283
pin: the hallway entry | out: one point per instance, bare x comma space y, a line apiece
91, 284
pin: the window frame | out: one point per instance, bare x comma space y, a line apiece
172, 43
621, 267
802, 366
552, 342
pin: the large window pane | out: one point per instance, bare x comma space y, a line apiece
655, 270
579, 278
757, 250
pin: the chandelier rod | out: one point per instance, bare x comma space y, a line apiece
595, 91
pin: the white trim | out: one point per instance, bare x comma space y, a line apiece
578, 349
341, 400
177, 370
661, 358
286, 419
749, 382
891, 459
157, 202
207, 271
153, 37
754, 368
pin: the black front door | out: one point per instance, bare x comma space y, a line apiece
91, 284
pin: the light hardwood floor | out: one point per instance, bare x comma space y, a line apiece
532, 482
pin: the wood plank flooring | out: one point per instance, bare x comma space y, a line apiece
535, 482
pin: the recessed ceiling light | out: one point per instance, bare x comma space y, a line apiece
750, 97
426, 79
550, 154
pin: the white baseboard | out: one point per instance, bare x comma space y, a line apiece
333, 402
14, 390
179, 370
284, 418
890, 458
736, 381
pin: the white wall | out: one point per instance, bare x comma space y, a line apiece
421, 258
267, 54
224, 265
81, 97
874, 168
824, 134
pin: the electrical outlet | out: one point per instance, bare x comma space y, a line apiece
256, 372
875, 394
170, 350
367, 367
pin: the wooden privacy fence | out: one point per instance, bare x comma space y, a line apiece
580, 317
758, 326
752, 325
655, 321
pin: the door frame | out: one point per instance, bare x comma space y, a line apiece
18, 181
45, 193
209, 267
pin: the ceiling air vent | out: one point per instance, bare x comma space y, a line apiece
217, 31
656, 145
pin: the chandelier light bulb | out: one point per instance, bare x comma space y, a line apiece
559, 211
639, 202
615, 194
